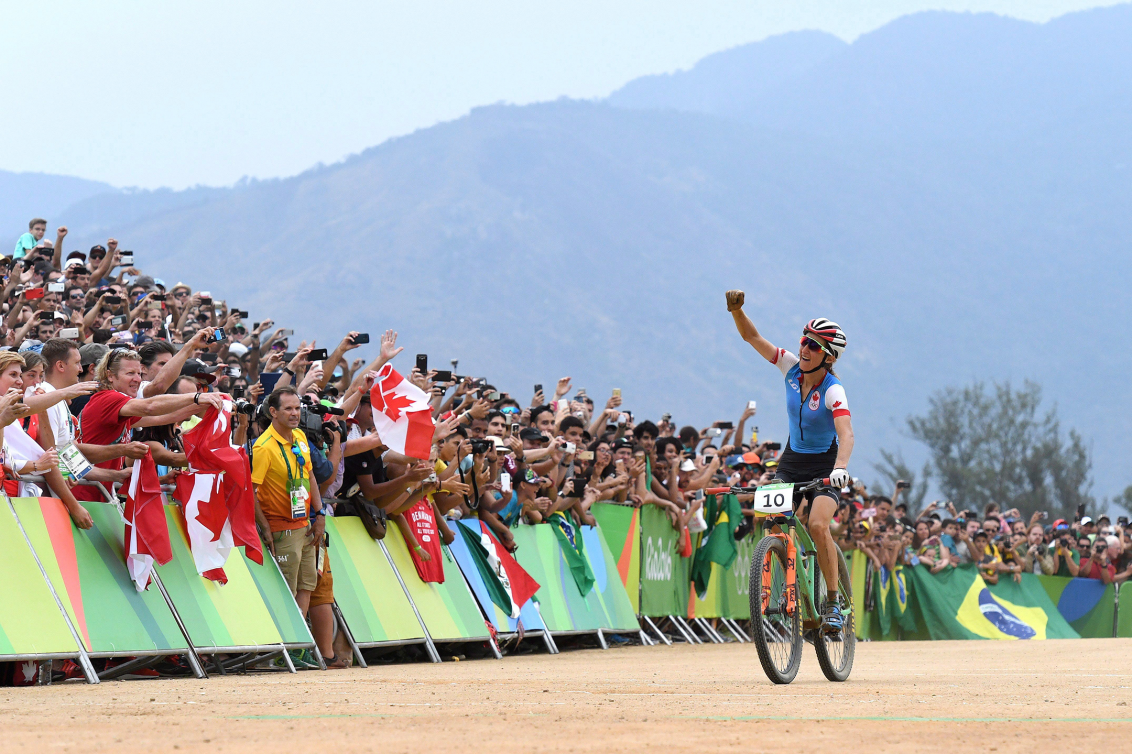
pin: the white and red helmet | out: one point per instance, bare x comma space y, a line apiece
826, 332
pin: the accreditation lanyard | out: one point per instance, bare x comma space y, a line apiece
297, 489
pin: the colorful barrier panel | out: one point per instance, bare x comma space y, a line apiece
620, 527
88, 571
1087, 604
31, 624
665, 576
366, 588
858, 572
449, 610
1124, 617
728, 588
564, 610
504, 624
232, 617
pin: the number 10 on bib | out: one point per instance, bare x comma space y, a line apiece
774, 499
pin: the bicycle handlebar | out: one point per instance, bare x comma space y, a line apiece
812, 485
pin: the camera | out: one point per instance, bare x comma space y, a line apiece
481, 446
360, 338
568, 447
240, 406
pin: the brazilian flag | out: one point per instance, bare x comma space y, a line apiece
570, 537
722, 514
957, 604
891, 588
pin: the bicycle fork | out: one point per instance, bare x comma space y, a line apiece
791, 576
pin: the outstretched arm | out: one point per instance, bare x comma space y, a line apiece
746, 327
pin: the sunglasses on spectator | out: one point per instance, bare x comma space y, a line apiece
181, 294
77, 295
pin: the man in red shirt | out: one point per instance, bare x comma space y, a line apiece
1097, 566
112, 412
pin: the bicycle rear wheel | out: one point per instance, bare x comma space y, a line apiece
777, 633
835, 651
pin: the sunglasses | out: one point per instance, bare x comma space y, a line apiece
811, 344
76, 296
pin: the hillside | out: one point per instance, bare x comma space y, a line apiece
596, 240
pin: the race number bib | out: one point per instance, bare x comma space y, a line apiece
774, 499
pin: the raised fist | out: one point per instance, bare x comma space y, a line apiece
734, 300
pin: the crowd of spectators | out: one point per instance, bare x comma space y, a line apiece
999, 542
104, 364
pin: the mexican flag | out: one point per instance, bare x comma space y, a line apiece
957, 604
507, 583
570, 537
717, 544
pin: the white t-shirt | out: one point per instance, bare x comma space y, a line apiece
59, 415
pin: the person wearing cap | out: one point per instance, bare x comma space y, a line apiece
163, 363
1088, 528
113, 411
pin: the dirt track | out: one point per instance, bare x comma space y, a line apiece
908, 697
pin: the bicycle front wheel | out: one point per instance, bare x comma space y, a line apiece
775, 629
835, 651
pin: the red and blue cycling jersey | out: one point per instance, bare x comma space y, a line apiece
811, 416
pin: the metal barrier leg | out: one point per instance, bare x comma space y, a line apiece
546, 637
659, 634
706, 628
601, 639
689, 634
645, 640
349, 636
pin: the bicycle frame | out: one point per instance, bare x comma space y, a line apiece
795, 538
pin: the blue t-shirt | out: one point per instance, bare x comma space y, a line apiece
27, 241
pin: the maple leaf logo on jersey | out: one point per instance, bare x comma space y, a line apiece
837, 404
815, 401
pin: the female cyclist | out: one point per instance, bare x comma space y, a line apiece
821, 434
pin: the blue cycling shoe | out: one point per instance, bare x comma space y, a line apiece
832, 619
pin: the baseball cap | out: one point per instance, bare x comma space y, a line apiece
1086, 520
528, 475
198, 370
92, 353
531, 434
97, 249
144, 281
237, 349
31, 344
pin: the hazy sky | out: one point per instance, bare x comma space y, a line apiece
174, 94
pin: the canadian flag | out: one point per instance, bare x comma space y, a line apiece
402, 415
216, 493
147, 534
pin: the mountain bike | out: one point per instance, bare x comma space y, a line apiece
782, 595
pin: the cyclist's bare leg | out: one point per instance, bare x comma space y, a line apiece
822, 510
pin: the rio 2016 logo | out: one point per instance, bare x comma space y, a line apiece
658, 560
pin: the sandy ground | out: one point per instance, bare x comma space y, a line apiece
909, 697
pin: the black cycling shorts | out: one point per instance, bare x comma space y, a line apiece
802, 468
